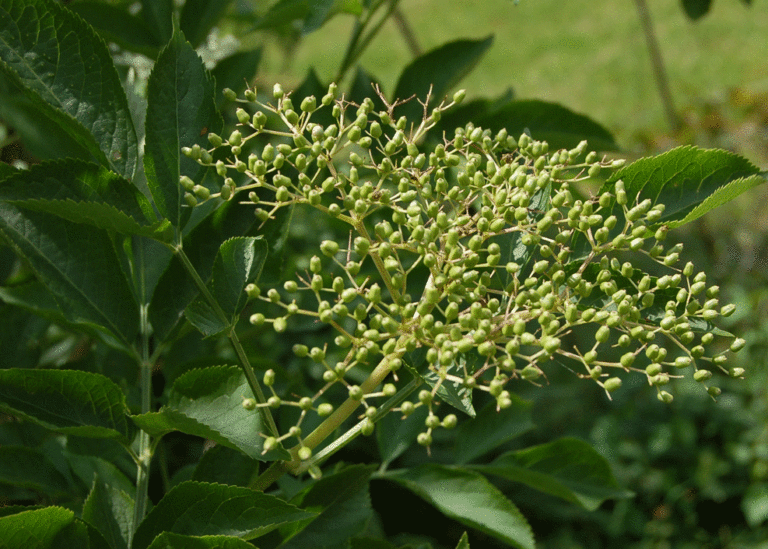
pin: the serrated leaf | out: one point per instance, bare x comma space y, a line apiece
110, 510
66, 401
198, 17
181, 109
34, 529
208, 403
346, 509
567, 468
492, 428
684, 178
65, 70
468, 498
545, 121
79, 265
202, 509
439, 70
30, 468
168, 540
235, 72
117, 25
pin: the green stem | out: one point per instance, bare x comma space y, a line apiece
245, 364
145, 453
358, 43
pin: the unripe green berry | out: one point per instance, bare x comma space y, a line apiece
304, 453
611, 384
249, 404
665, 397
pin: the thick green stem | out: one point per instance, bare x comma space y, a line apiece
145, 453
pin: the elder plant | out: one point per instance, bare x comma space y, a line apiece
511, 263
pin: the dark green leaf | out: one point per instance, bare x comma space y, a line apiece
567, 468
319, 11
66, 401
30, 468
79, 265
439, 70
559, 126
202, 509
283, 13
116, 25
158, 15
346, 509
238, 263
181, 109
109, 510
468, 498
198, 17
235, 72
696, 9
65, 69
689, 181
224, 465
395, 434
491, 428
168, 540
208, 403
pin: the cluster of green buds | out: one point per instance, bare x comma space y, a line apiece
471, 265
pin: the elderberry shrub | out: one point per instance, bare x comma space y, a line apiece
513, 262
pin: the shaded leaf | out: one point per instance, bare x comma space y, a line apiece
110, 510
66, 72
695, 9
439, 70
684, 178
492, 428
566, 468
346, 509
395, 434
30, 468
168, 540
198, 17
79, 265
224, 465
117, 25
468, 498
181, 109
203, 509
208, 403
235, 72
158, 15
66, 401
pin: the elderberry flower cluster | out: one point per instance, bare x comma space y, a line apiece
470, 265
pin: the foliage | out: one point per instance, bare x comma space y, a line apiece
398, 248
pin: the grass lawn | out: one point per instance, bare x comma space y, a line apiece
588, 55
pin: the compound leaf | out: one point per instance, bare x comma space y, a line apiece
468, 497
203, 509
65, 70
66, 401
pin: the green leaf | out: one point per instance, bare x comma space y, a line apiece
452, 392
168, 540
492, 428
66, 401
439, 70
79, 265
696, 9
181, 109
346, 509
234, 72
48, 528
238, 263
394, 434
82, 192
283, 13
198, 17
208, 403
567, 468
158, 15
117, 25
319, 12
30, 468
66, 72
463, 542
224, 465
754, 504
468, 498
558, 125
202, 509
110, 510
689, 181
